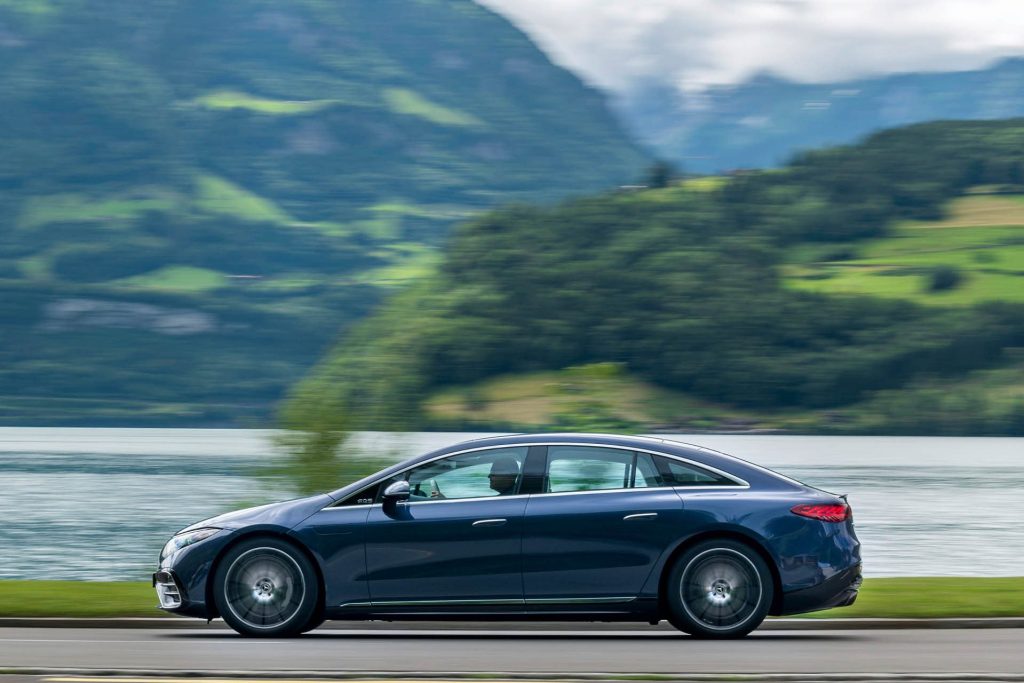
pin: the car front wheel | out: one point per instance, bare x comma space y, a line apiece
266, 587
719, 589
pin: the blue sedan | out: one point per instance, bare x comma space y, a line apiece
529, 527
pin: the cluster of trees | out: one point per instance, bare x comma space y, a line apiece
854, 192
681, 287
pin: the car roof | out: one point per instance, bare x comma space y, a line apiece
699, 454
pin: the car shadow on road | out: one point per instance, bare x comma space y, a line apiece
519, 635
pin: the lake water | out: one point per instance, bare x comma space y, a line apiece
98, 504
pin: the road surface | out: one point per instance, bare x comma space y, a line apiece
409, 649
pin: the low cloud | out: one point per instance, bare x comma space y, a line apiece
623, 44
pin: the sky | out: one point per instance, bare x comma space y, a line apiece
621, 45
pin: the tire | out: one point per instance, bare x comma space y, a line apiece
314, 624
266, 587
315, 621
719, 589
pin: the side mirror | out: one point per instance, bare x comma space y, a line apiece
396, 492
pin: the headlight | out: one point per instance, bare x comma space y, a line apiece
186, 538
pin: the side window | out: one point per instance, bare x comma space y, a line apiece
677, 473
480, 474
586, 468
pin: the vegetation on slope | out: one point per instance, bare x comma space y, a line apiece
980, 239
600, 397
604, 397
682, 287
270, 168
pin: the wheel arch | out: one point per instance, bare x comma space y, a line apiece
727, 535
248, 535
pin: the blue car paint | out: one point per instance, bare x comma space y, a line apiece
582, 546
433, 551
551, 549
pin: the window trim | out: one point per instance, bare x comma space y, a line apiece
378, 492
665, 472
739, 482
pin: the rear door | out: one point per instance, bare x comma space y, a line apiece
597, 526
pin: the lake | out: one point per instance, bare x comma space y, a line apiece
98, 504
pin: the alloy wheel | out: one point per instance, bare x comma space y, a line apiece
721, 589
264, 588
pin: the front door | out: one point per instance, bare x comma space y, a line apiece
457, 542
594, 533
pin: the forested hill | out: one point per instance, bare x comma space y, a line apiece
195, 196
682, 287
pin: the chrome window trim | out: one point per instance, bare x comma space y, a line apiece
760, 468
434, 500
710, 468
709, 487
481, 499
640, 489
739, 482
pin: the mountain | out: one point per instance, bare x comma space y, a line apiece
804, 296
196, 195
764, 121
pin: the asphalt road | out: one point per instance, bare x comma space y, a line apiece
513, 650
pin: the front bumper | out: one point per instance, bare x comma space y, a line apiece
838, 591
168, 591
182, 582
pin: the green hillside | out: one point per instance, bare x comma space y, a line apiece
196, 196
736, 303
978, 242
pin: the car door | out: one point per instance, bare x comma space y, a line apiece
595, 531
457, 542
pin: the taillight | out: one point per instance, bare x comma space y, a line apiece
832, 512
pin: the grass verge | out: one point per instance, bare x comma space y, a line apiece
77, 599
917, 597
928, 597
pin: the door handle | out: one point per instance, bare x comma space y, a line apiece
640, 516
489, 522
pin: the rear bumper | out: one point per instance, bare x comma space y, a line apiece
838, 591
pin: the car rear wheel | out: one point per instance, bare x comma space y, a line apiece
266, 587
719, 589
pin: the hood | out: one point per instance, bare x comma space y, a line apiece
284, 515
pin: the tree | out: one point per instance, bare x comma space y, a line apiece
660, 175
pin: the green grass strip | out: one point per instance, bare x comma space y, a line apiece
935, 597
918, 597
77, 599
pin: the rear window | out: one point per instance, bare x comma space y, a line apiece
678, 473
